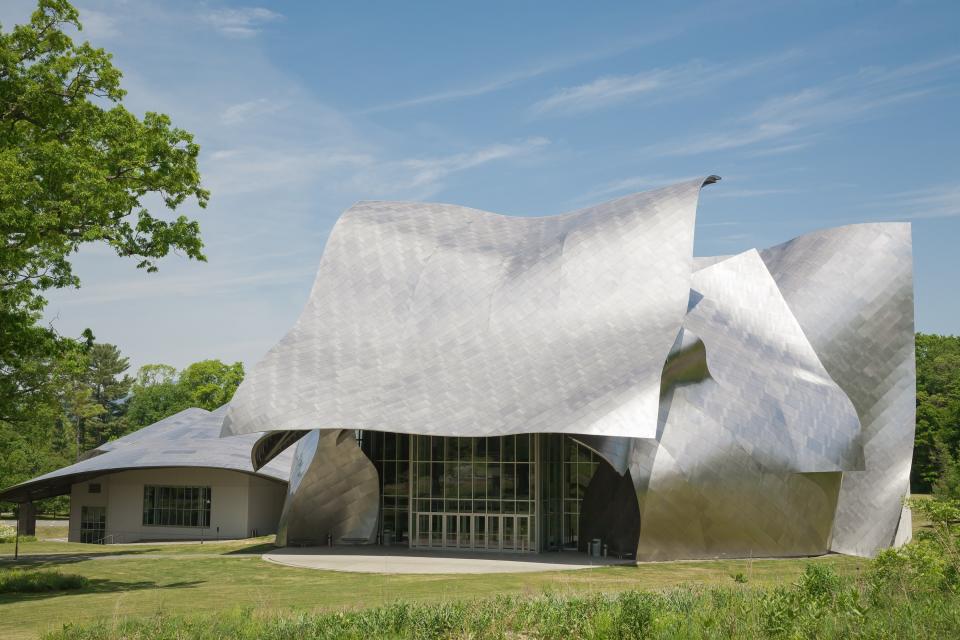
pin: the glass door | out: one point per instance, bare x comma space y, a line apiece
524, 539
450, 533
479, 532
93, 524
465, 532
509, 533
493, 533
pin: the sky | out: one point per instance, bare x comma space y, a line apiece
816, 114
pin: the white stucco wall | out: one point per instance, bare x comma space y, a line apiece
264, 504
239, 503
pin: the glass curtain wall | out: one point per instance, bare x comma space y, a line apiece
568, 468
474, 493
390, 454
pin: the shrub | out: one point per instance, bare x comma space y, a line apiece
20, 581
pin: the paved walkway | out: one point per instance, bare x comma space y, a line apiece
371, 559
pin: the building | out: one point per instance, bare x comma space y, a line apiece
461, 380
173, 480
465, 380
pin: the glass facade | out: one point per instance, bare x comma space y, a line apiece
474, 493
390, 454
504, 493
176, 506
568, 469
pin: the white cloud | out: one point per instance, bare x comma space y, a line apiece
752, 193
940, 201
681, 23
856, 96
430, 171
237, 113
630, 185
657, 84
244, 22
98, 25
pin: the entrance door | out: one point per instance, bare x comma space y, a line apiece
493, 533
423, 530
524, 542
465, 532
479, 532
450, 533
509, 533
93, 524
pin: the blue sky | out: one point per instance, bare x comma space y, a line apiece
815, 114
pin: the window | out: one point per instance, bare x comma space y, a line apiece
93, 524
176, 506
93, 487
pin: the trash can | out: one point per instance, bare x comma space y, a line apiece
595, 547
387, 537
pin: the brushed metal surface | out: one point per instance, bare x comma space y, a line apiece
333, 490
438, 319
741, 468
762, 402
851, 289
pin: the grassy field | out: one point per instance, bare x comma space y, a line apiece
135, 580
142, 580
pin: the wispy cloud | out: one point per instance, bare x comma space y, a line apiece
244, 22
675, 82
219, 282
752, 193
426, 172
940, 201
782, 118
633, 183
237, 113
680, 24
257, 169
98, 25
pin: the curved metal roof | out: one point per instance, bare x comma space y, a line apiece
190, 438
762, 403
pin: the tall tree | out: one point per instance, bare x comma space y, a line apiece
109, 386
75, 168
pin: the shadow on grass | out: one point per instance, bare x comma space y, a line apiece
40, 561
266, 547
96, 585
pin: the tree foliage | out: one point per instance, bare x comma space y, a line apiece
89, 399
161, 391
76, 167
938, 413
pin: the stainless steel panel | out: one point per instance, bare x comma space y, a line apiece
437, 319
752, 398
334, 490
851, 289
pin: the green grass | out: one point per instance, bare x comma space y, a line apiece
819, 604
184, 579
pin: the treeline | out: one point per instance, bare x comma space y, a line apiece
937, 445
88, 398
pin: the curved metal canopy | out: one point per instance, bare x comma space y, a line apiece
186, 439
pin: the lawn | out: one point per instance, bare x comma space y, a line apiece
134, 580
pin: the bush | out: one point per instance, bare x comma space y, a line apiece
20, 581
9, 534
